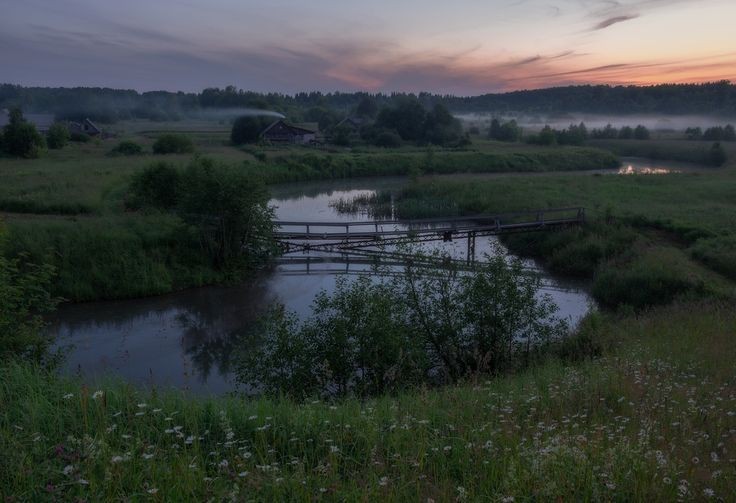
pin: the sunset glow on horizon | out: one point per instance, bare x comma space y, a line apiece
464, 47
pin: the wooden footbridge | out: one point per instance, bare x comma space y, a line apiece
342, 236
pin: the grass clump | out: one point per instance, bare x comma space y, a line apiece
173, 144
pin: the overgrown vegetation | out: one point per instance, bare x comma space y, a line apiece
377, 335
651, 420
638, 247
173, 144
20, 138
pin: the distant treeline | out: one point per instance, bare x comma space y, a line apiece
110, 105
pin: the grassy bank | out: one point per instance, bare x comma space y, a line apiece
653, 420
648, 239
68, 207
675, 150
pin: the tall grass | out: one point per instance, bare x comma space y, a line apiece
653, 420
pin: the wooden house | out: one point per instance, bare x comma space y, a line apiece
283, 132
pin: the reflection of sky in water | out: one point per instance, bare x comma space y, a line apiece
186, 339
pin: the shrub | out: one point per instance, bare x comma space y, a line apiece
80, 138
387, 139
24, 298
173, 144
20, 138
155, 187
58, 136
127, 147
378, 335
247, 129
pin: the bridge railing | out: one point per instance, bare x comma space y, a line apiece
504, 221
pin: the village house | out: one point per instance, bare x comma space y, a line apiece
353, 124
85, 127
283, 132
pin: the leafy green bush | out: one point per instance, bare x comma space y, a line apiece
378, 335
20, 138
24, 298
156, 186
173, 144
650, 279
126, 147
58, 136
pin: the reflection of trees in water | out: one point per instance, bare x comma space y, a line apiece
210, 322
216, 326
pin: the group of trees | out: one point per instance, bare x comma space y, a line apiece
624, 133
223, 210
20, 138
718, 133
409, 121
109, 105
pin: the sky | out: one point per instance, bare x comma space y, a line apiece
461, 47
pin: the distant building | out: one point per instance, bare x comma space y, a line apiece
352, 123
283, 132
85, 127
42, 121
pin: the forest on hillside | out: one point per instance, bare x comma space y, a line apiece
110, 105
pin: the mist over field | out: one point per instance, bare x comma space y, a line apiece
655, 122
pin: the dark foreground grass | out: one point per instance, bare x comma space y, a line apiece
654, 419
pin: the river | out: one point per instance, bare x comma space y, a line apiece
185, 339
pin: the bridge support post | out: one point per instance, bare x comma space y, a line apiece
471, 247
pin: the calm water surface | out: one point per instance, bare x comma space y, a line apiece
186, 339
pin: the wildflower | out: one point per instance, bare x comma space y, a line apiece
139, 413
97, 394
67, 469
696, 460
142, 405
147, 456
116, 459
507, 499
83, 482
667, 480
156, 411
68, 396
242, 474
334, 448
447, 448
189, 440
251, 418
708, 492
224, 464
152, 490
383, 481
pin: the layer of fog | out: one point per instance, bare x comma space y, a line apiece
560, 121
232, 113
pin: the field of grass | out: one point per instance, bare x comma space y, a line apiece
676, 150
654, 419
67, 207
649, 238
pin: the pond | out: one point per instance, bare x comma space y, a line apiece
186, 339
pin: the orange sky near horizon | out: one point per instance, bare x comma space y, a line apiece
464, 47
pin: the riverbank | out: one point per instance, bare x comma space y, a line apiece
652, 419
649, 239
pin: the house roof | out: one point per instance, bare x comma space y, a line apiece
355, 121
294, 128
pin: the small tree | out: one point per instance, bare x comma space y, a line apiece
58, 136
20, 138
641, 133
247, 129
156, 187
